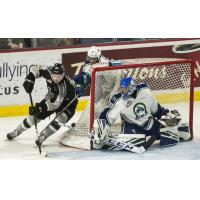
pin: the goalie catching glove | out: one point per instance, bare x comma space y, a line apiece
171, 118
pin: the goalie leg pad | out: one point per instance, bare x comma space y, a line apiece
135, 139
184, 133
169, 136
124, 145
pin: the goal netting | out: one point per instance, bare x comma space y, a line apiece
170, 79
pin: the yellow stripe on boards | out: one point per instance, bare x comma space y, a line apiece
10, 111
170, 98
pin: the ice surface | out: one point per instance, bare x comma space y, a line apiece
23, 146
183, 151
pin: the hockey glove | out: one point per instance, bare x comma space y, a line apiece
29, 83
37, 109
82, 79
79, 90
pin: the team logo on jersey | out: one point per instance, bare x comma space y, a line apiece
140, 110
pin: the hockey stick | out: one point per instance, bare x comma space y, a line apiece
113, 142
35, 122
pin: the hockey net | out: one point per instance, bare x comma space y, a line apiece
170, 79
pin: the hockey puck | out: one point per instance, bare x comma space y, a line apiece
73, 124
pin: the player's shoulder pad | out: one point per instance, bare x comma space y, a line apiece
142, 86
115, 98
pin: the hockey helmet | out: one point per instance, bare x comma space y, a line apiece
127, 85
93, 54
57, 73
58, 69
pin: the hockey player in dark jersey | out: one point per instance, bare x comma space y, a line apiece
61, 92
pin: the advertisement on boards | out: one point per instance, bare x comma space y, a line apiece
14, 66
74, 61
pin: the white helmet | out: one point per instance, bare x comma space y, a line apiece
94, 52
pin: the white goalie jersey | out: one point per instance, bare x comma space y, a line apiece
136, 109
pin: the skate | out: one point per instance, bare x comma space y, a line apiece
13, 134
38, 143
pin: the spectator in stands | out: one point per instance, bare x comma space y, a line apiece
94, 40
46, 42
4, 43
14, 45
28, 42
66, 41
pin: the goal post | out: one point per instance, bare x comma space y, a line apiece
171, 81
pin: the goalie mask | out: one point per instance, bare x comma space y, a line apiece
57, 73
127, 86
93, 54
